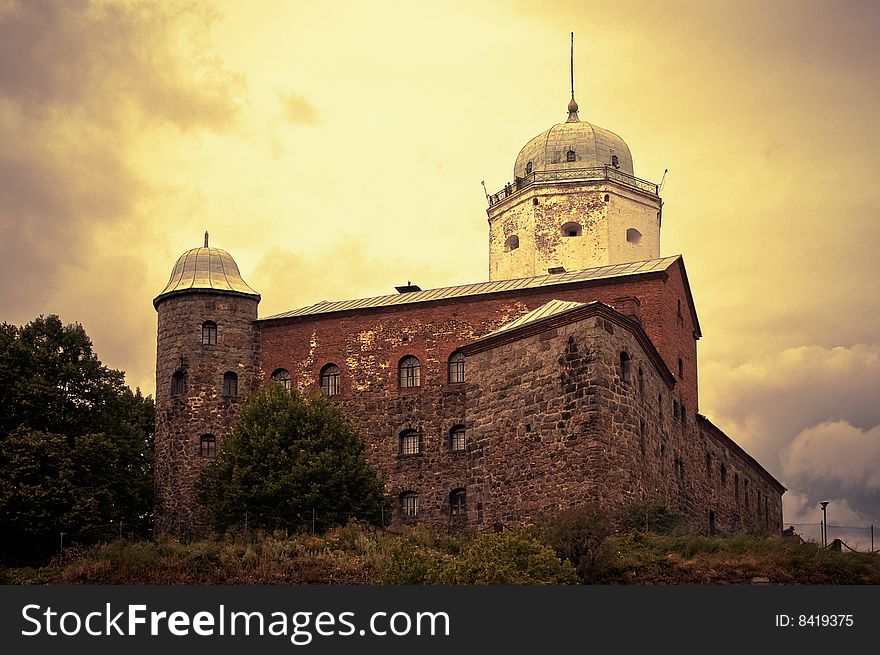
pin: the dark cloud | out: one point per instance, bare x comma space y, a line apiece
83, 87
298, 110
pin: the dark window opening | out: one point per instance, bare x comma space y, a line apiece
535, 201
570, 156
675, 409
207, 445
458, 503
457, 439
633, 236
607, 197
410, 372
209, 333
641, 381
178, 384
230, 385
708, 465
679, 317
723, 470
512, 243
615, 161
283, 377
625, 364
456, 368
711, 523
736, 486
330, 380
410, 442
746, 492
680, 368
642, 437
528, 168
571, 229
409, 504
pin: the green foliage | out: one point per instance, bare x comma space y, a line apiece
290, 458
653, 516
577, 535
509, 557
75, 443
405, 562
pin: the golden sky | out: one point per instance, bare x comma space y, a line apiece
337, 149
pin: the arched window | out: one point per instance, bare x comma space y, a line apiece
209, 333
330, 380
178, 384
641, 381
458, 502
282, 376
570, 156
207, 445
230, 384
571, 229
409, 371
457, 441
615, 161
528, 168
409, 504
633, 235
456, 367
625, 364
410, 442
512, 243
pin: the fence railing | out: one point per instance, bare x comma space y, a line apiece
596, 173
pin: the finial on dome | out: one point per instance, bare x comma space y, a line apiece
572, 105
206, 238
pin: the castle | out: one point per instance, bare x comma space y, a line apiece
569, 377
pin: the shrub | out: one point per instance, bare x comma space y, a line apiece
577, 535
510, 557
653, 516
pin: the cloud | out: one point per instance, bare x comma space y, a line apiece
298, 110
835, 453
85, 88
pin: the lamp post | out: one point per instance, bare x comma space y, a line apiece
824, 506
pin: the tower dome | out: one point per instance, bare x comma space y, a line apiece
575, 144
205, 269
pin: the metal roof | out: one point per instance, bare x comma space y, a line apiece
480, 288
206, 269
544, 311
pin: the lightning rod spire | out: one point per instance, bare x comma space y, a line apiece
572, 105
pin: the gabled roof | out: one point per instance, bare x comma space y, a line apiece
481, 288
546, 310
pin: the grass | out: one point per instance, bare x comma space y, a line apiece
361, 555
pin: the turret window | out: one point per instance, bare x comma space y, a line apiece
512, 243
615, 161
633, 236
571, 230
410, 372
625, 366
178, 384
456, 368
281, 376
528, 168
230, 385
570, 156
457, 441
330, 380
209, 333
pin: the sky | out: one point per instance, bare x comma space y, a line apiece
338, 149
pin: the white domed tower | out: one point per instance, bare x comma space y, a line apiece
207, 360
574, 203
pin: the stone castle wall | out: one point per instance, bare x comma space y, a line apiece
202, 409
578, 432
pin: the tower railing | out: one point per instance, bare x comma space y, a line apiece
596, 173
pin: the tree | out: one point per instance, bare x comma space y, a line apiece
290, 459
75, 443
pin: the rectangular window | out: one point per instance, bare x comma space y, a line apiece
409, 505
458, 440
208, 446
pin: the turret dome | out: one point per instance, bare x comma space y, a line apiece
206, 270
